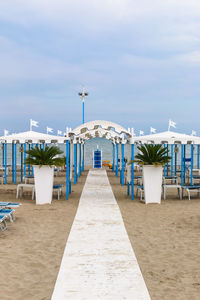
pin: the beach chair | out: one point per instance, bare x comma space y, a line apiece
27, 178
3, 225
140, 188
9, 205
170, 179
1, 178
172, 186
21, 186
191, 189
58, 188
9, 213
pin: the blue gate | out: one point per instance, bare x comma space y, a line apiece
97, 159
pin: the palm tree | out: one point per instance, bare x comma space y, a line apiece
151, 154
48, 156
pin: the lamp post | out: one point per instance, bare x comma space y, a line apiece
83, 95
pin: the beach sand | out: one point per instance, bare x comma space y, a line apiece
32, 247
165, 239
166, 242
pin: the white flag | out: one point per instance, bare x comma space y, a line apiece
59, 132
194, 132
49, 129
141, 132
5, 132
152, 130
171, 124
33, 123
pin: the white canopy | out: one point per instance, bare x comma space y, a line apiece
167, 137
32, 137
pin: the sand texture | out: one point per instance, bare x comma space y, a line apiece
32, 247
166, 242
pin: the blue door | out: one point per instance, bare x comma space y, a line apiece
97, 159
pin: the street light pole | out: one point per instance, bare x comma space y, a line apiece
83, 95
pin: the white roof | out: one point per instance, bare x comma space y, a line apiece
92, 125
167, 137
32, 137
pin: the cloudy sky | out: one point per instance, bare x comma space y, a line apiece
138, 59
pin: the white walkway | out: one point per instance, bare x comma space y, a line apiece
99, 262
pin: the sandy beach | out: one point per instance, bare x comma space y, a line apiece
165, 239
32, 247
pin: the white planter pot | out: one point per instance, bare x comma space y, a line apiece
43, 184
152, 180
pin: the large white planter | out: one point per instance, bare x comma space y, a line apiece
43, 184
152, 180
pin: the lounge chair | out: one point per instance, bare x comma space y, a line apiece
27, 178
21, 186
140, 188
3, 225
58, 187
191, 188
9, 213
9, 204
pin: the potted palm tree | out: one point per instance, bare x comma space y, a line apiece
43, 161
152, 158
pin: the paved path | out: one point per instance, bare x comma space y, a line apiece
98, 261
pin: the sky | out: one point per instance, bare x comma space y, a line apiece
139, 60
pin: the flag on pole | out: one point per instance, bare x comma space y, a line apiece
5, 132
152, 130
33, 123
49, 129
171, 124
141, 132
194, 133
59, 132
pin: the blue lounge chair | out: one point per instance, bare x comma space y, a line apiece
9, 213
9, 205
191, 188
58, 187
3, 225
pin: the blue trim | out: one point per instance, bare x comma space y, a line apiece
172, 157
3, 154
5, 163
113, 166
75, 163
117, 163
128, 188
123, 164
167, 162
15, 162
79, 160
32, 166
83, 160
184, 152
29, 167
175, 160
192, 160
24, 159
43, 146
132, 172
182, 165
197, 156
21, 163
67, 170
164, 168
